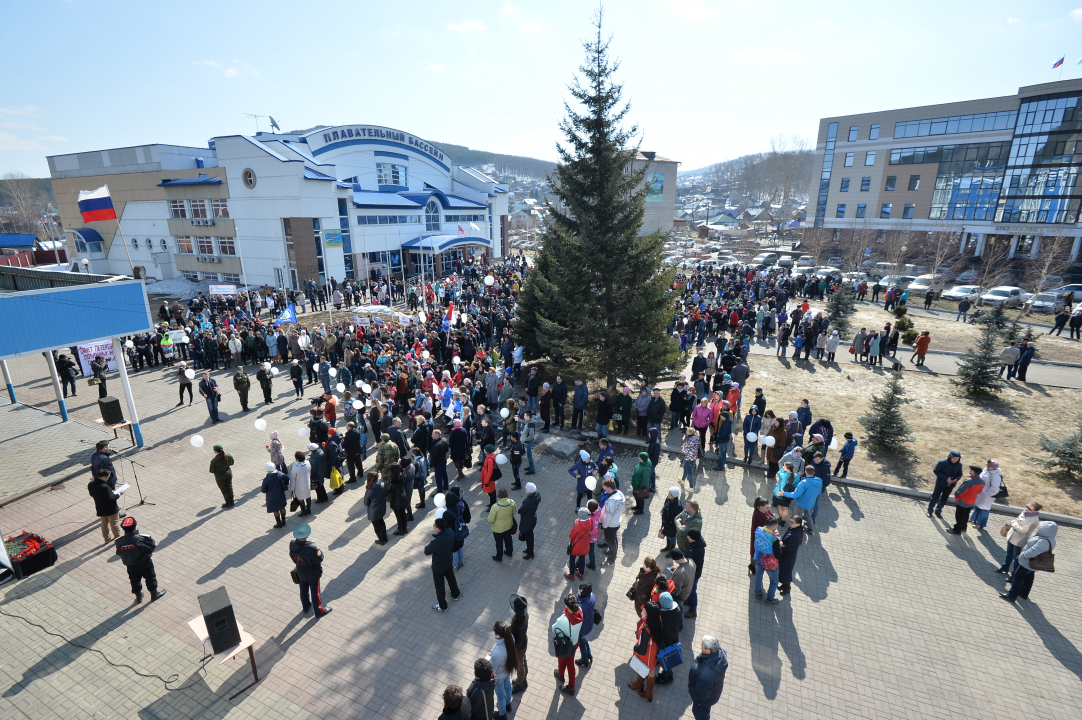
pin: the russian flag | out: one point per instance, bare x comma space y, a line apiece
447, 318
1058, 62
96, 205
461, 231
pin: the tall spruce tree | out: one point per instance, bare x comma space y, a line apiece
840, 306
595, 303
978, 371
884, 425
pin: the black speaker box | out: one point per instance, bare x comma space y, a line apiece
221, 622
110, 410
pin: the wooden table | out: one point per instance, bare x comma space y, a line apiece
199, 627
119, 426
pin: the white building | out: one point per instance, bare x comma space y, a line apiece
345, 202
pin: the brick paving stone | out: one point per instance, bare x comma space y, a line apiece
889, 616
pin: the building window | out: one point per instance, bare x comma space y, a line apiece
193, 276
907, 212
389, 174
135, 243
165, 245
861, 208
873, 134
957, 124
892, 180
233, 278
206, 245
845, 185
212, 277
184, 245
869, 158
853, 134
884, 212
849, 159
227, 246
865, 184
177, 210
914, 182
432, 216
248, 177
199, 208
841, 211
221, 208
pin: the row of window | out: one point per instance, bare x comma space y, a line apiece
198, 209
869, 158
956, 124
232, 278
884, 211
391, 174
873, 133
464, 218
892, 181
983, 154
1046, 113
205, 246
824, 177
388, 219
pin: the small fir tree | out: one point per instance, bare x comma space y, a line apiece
978, 371
884, 425
1065, 454
840, 306
1013, 330
1029, 336
996, 318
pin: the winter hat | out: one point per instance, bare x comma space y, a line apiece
665, 601
490, 449
583, 455
818, 437
217, 448
993, 465
274, 435
737, 385
792, 414
313, 446
644, 456
270, 467
677, 554
674, 491
584, 514
518, 605
954, 453
458, 423
531, 488
128, 523
848, 436
302, 531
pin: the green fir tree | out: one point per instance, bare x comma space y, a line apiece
840, 306
884, 425
996, 317
1066, 454
596, 302
978, 370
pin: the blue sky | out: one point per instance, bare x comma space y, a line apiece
707, 80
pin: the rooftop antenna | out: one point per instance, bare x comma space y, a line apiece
274, 125
256, 120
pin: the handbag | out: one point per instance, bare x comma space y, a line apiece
562, 644
294, 504
570, 547
1002, 491
639, 666
597, 616
618, 417
93, 381
639, 494
852, 350
660, 534
1004, 530
631, 593
1045, 562
336, 479
670, 657
296, 578
514, 525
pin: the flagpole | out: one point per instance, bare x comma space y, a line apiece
125, 244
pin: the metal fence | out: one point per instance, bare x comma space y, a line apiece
16, 279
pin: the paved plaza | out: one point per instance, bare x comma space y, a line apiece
890, 617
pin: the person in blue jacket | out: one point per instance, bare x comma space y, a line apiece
806, 493
724, 436
752, 424
579, 401
1024, 359
706, 678
580, 471
947, 472
846, 454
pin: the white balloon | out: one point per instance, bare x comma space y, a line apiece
456, 360
834, 443
260, 424
421, 316
357, 404
302, 432
425, 354
752, 437
266, 366
489, 280
197, 441
769, 441
501, 459
366, 388
591, 483
440, 500
504, 413
340, 387
189, 373
274, 371
439, 513
332, 372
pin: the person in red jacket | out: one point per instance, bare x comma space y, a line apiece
580, 544
488, 471
964, 498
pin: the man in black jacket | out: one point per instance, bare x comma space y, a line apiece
655, 411
440, 548
696, 553
437, 458
559, 400
308, 562
105, 505
351, 447
528, 511
654, 451
395, 431
100, 461
135, 552
533, 387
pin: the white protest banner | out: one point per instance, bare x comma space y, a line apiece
223, 289
178, 336
87, 353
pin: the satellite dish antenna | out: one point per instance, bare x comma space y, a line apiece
274, 125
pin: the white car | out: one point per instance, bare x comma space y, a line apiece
805, 261
1075, 290
1006, 295
925, 284
961, 292
898, 281
1046, 302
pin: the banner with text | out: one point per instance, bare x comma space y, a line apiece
87, 353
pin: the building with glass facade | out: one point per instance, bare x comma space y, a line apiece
999, 170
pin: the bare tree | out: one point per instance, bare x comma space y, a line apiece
789, 163
994, 262
26, 200
1046, 270
939, 247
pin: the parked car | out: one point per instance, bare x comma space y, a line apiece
958, 293
1046, 302
1006, 295
766, 258
925, 284
967, 277
785, 261
898, 281
805, 261
827, 271
1075, 290
835, 261
857, 275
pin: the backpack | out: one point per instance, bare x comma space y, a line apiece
562, 644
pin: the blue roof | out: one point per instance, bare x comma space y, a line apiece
17, 240
201, 180
447, 201
461, 202
362, 198
310, 174
87, 234
439, 243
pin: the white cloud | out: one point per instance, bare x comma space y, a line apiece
26, 110
231, 72
693, 9
53, 138
208, 63
533, 27
1012, 21
11, 125
510, 10
1077, 14
436, 67
12, 142
467, 27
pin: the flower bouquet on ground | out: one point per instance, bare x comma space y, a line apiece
29, 553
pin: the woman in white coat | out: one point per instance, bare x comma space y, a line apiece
300, 482
992, 478
832, 346
1018, 532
